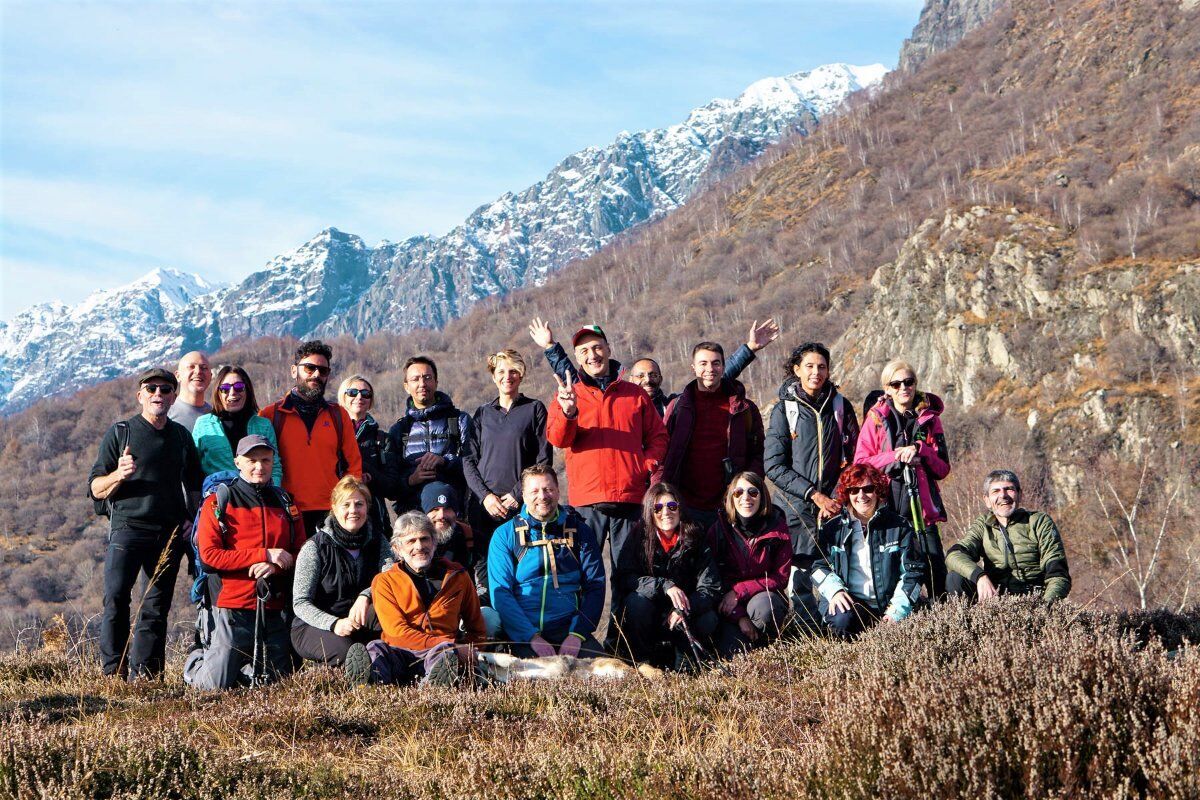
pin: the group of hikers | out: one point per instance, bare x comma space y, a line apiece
674, 548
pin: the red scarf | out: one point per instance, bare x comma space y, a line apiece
668, 540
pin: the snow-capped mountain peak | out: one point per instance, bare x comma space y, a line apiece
336, 284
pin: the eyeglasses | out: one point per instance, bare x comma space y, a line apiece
158, 388
311, 368
752, 492
366, 394
853, 490
670, 505
240, 386
909, 382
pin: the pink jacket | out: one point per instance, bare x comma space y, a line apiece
876, 447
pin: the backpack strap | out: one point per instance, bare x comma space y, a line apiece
343, 463
791, 408
222, 492
839, 415
406, 426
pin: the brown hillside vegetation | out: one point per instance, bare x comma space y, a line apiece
1007, 700
1060, 324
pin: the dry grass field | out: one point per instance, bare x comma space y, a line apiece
1010, 700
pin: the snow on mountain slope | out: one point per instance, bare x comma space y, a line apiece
336, 284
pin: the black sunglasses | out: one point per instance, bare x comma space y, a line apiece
367, 394
317, 368
670, 505
752, 491
158, 388
853, 490
903, 382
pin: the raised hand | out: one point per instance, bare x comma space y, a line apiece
566, 396
762, 335
540, 331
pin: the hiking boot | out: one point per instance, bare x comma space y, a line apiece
358, 664
444, 671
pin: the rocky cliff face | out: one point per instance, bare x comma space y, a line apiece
941, 25
984, 306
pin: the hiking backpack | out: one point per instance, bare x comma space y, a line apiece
792, 409
568, 539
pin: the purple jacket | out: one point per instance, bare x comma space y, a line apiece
749, 566
878, 441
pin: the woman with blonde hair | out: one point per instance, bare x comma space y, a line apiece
902, 437
331, 593
357, 396
510, 435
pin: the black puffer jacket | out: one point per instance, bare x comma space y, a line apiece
382, 482
690, 566
811, 461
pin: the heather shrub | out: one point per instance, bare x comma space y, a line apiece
1010, 699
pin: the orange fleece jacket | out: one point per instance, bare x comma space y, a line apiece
310, 460
408, 624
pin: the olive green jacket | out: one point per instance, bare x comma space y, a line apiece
1025, 557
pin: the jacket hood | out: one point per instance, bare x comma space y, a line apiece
790, 390
440, 405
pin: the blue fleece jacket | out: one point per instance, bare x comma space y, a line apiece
523, 590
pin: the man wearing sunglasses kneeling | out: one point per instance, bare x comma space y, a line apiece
868, 566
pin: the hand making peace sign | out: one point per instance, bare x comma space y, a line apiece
566, 396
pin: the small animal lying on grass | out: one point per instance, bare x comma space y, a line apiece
505, 668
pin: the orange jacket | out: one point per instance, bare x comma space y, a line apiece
310, 460
614, 443
408, 624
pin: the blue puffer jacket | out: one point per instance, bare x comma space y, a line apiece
439, 428
216, 455
522, 580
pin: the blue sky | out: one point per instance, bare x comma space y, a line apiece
210, 137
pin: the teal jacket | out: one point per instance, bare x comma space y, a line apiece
216, 454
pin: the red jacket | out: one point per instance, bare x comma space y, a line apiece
310, 459
743, 436
255, 520
614, 443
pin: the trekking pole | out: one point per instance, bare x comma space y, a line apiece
258, 658
698, 649
918, 521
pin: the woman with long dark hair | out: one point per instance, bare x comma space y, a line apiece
234, 416
668, 580
753, 550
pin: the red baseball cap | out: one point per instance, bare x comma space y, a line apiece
588, 330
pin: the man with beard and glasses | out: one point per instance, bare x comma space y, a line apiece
457, 542
315, 436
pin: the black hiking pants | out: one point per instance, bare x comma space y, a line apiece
157, 555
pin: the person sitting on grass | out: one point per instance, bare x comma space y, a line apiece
669, 579
252, 548
546, 574
752, 547
429, 613
868, 564
332, 587
1021, 551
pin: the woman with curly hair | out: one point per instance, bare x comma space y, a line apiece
868, 567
